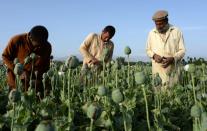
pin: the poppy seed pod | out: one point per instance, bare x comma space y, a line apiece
45, 76
140, 77
93, 111
195, 111
112, 62
127, 50
33, 55
117, 96
44, 113
191, 68
18, 69
72, 62
45, 125
16, 60
27, 60
108, 123
102, 90
85, 107
14, 95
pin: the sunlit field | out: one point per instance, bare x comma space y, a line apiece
120, 95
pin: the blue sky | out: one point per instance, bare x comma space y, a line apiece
70, 21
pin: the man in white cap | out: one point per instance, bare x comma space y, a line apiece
165, 47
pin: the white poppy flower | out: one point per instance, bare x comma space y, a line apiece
186, 67
60, 73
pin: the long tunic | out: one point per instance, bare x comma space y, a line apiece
170, 45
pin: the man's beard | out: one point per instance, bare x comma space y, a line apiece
164, 29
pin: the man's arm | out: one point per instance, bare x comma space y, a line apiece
84, 48
149, 51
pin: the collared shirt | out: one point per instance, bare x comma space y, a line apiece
93, 47
169, 45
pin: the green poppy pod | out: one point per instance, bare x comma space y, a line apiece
102, 90
45, 125
14, 95
18, 69
33, 56
16, 60
117, 96
191, 68
93, 111
195, 111
108, 123
27, 60
140, 77
72, 62
127, 50
45, 76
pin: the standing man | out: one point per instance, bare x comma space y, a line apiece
22, 46
95, 45
165, 46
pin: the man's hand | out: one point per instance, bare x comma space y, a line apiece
167, 61
157, 58
94, 61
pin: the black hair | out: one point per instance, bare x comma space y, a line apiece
110, 29
39, 33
